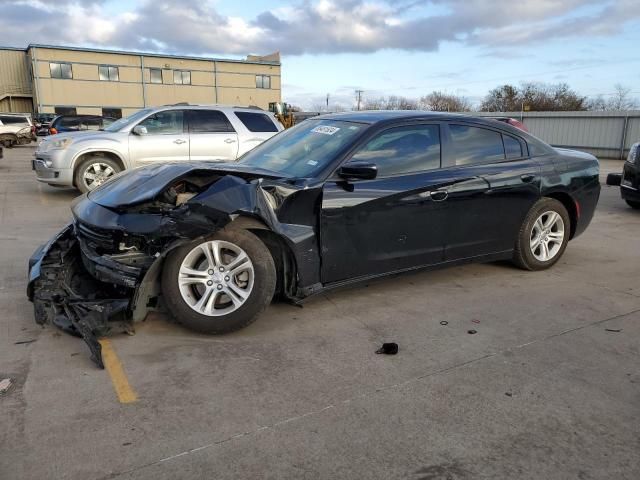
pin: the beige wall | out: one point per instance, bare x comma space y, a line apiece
211, 81
15, 83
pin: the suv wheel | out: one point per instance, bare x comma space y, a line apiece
93, 172
219, 284
543, 235
633, 204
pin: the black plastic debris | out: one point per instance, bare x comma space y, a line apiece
615, 330
388, 349
444, 322
472, 332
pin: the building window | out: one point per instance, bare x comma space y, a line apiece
60, 70
109, 74
182, 77
65, 110
155, 75
263, 81
112, 112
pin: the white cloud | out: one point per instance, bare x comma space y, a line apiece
313, 26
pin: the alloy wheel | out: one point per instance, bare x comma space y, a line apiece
96, 174
547, 236
216, 278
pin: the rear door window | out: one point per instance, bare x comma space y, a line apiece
475, 145
402, 150
512, 147
256, 122
208, 121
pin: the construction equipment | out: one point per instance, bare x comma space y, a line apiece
283, 113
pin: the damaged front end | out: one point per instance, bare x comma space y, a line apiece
65, 295
101, 273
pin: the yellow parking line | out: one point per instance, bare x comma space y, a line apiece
112, 363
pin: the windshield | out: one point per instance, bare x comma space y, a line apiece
127, 121
304, 149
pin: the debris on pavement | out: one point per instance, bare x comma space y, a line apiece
5, 385
24, 342
388, 349
444, 322
615, 330
472, 332
475, 320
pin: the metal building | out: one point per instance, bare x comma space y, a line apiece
54, 79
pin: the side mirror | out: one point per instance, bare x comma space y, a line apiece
358, 170
139, 130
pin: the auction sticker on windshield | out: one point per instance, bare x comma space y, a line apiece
325, 130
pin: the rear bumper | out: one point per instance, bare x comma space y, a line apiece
628, 180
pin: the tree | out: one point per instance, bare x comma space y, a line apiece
443, 102
534, 96
622, 99
393, 102
502, 99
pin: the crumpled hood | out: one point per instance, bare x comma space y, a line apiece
143, 184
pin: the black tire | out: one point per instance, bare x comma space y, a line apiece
523, 257
258, 300
78, 175
633, 204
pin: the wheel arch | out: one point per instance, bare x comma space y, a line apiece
79, 158
283, 257
570, 204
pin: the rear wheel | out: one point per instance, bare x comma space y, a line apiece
219, 284
94, 171
633, 204
543, 235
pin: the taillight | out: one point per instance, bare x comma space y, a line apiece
52, 131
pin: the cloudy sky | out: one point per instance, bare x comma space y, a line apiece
383, 47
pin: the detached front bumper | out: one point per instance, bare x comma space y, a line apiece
66, 294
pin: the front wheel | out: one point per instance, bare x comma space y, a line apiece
543, 236
93, 172
633, 204
220, 284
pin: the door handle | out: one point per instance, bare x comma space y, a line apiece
439, 195
527, 177
229, 140
179, 141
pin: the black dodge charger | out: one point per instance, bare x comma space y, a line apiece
335, 200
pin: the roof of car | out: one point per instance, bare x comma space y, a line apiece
375, 116
192, 106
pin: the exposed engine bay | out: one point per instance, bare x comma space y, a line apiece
101, 273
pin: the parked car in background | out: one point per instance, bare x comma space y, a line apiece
629, 179
161, 134
513, 122
78, 123
16, 129
43, 122
334, 200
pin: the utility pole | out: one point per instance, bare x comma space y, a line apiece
327, 102
359, 94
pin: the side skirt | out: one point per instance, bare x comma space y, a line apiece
312, 290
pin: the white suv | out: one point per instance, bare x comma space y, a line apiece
16, 129
160, 134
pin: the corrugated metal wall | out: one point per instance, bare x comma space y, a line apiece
15, 81
604, 134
